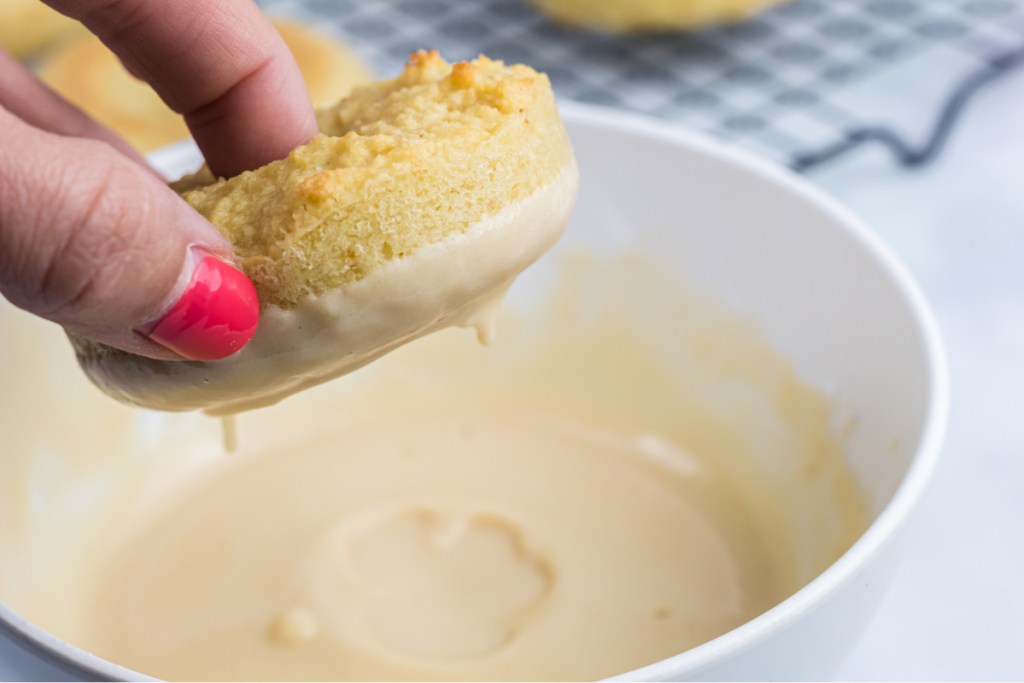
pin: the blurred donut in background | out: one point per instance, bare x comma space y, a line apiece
26, 26
328, 65
651, 15
89, 75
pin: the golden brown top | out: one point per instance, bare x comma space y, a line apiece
399, 164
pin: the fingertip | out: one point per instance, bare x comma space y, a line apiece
215, 316
257, 135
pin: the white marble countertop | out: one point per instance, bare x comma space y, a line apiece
956, 608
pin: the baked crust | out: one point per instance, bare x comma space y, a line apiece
399, 164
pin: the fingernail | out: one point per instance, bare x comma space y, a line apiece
215, 316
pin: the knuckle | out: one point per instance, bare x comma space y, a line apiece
89, 239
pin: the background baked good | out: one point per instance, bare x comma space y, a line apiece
28, 25
654, 15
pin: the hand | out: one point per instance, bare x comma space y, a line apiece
90, 237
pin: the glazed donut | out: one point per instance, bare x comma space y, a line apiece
414, 210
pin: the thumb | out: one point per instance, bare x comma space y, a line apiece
94, 242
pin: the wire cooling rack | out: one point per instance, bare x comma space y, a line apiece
801, 83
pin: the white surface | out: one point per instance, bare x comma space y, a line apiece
956, 608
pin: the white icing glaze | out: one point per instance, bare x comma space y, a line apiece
458, 282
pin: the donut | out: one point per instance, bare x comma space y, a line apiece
414, 209
329, 66
651, 15
26, 26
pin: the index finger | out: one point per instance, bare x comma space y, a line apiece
220, 63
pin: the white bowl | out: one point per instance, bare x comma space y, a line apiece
826, 293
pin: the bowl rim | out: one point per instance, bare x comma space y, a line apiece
890, 519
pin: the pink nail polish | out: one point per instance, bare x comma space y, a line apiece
215, 316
